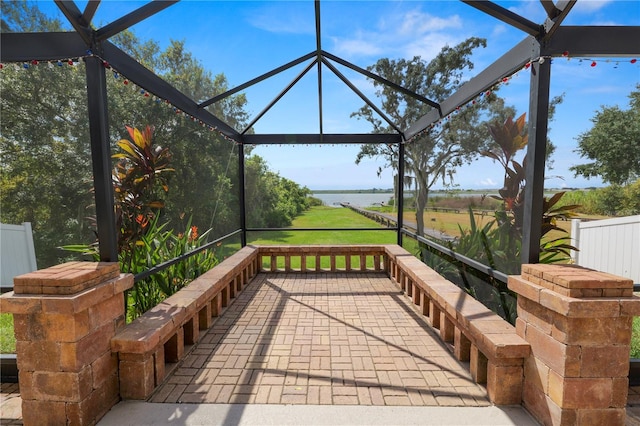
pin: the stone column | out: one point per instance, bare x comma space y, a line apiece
578, 322
64, 319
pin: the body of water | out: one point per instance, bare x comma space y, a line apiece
376, 199
356, 199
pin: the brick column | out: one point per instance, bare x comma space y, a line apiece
64, 319
578, 322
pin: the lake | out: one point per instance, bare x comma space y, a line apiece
356, 199
375, 199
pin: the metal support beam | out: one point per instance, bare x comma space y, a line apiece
362, 96
594, 41
506, 16
22, 47
312, 138
556, 16
242, 196
75, 18
257, 79
400, 199
277, 98
90, 11
550, 8
101, 159
380, 80
133, 18
535, 161
506, 65
319, 62
147, 80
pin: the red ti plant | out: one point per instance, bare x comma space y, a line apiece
140, 178
510, 137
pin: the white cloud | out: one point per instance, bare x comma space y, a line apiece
416, 22
488, 183
290, 20
532, 10
356, 47
498, 30
589, 6
429, 45
403, 34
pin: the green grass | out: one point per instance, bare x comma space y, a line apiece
326, 217
635, 338
7, 338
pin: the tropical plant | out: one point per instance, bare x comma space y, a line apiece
498, 243
511, 137
140, 180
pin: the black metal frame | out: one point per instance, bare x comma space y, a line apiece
546, 40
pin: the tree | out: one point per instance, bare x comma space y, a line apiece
46, 168
613, 144
437, 153
46, 174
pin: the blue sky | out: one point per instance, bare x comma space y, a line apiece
244, 39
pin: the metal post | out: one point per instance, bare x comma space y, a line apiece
242, 190
536, 155
101, 159
400, 199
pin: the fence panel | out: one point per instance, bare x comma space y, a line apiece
17, 252
609, 245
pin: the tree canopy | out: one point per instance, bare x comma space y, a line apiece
46, 174
437, 153
612, 144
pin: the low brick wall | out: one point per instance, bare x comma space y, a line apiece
155, 342
64, 318
578, 322
362, 258
567, 357
495, 352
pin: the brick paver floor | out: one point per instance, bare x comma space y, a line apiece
322, 339
10, 404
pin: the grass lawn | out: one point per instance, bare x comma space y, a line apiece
325, 217
449, 222
635, 338
7, 339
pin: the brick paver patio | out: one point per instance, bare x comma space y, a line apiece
318, 339
322, 339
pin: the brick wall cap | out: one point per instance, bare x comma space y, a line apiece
20, 303
65, 279
70, 274
574, 277
595, 307
504, 346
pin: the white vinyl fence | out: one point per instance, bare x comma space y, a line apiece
17, 253
609, 245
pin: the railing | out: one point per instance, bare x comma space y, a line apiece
493, 273
164, 265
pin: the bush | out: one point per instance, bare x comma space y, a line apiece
614, 200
